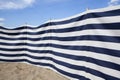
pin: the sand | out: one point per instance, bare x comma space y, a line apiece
22, 71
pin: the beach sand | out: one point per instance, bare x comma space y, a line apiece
22, 71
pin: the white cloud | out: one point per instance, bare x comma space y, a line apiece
15, 4
2, 19
52, 1
114, 2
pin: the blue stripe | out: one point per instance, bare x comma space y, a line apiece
18, 28
90, 48
88, 59
81, 58
74, 38
74, 28
79, 48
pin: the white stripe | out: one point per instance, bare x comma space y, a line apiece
88, 32
107, 45
101, 20
75, 62
94, 55
115, 33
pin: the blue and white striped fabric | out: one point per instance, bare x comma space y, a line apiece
82, 47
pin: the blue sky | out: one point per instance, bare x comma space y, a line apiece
14, 13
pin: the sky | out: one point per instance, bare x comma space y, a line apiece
16, 13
